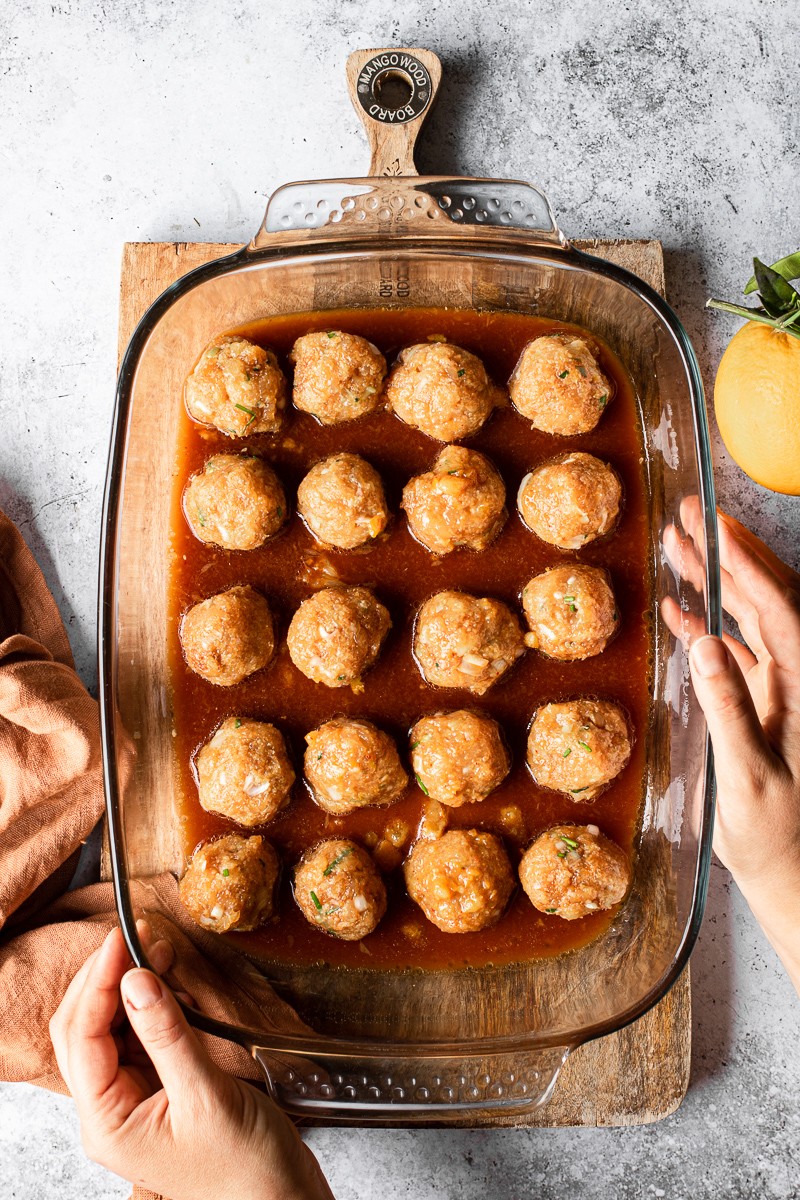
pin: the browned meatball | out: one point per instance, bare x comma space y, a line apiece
336, 635
570, 500
236, 502
229, 883
244, 772
341, 501
350, 764
339, 890
558, 385
578, 746
458, 757
461, 641
237, 387
573, 870
571, 612
442, 390
461, 881
337, 376
229, 636
460, 502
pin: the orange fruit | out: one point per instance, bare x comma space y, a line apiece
757, 402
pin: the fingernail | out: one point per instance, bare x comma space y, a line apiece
145, 932
108, 940
141, 989
709, 657
161, 955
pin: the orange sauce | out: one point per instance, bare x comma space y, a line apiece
404, 574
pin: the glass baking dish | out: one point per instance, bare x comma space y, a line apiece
405, 1046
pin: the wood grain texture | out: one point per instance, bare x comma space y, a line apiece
640, 1074
391, 146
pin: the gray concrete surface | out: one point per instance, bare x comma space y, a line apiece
171, 120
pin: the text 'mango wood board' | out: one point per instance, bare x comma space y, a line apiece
633, 1077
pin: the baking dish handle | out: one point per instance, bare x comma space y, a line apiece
392, 1086
392, 91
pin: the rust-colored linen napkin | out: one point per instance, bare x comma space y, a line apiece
51, 797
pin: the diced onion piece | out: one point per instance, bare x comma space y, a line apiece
473, 664
397, 832
252, 788
434, 820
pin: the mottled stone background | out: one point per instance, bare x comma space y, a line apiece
151, 119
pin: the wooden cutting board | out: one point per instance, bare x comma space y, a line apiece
633, 1077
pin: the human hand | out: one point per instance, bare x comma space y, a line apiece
152, 1105
751, 699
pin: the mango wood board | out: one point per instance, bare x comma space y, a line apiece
633, 1077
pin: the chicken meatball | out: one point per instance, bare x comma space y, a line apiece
350, 764
578, 746
571, 612
229, 636
236, 502
572, 870
462, 881
461, 641
244, 772
442, 390
339, 889
460, 502
458, 757
558, 385
341, 501
229, 883
570, 500
336, 635
337, 376
237, 387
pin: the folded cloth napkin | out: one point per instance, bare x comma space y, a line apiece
51, 798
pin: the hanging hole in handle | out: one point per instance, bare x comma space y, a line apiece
394, 87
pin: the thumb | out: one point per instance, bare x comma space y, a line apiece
740, 745
163, 1031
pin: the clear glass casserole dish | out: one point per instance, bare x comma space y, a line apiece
439, 1045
